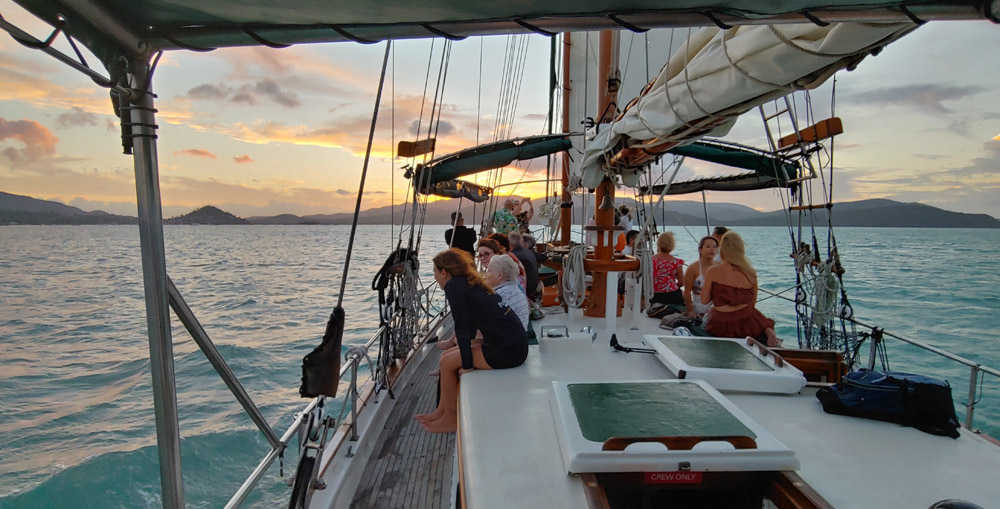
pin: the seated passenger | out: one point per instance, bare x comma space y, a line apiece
474, 307
630, 237
485, 252
732, 288
504, 242
668, 272
502, 278
694, 277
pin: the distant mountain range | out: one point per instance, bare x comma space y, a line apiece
15, 209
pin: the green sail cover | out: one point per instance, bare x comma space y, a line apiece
744, 182
492, 155
768, 170
739, 156
130, 28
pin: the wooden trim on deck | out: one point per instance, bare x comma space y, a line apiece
596, 496
462, 502
789, 491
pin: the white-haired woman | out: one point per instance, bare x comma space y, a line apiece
501, 275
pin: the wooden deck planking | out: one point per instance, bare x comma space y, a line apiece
412, 468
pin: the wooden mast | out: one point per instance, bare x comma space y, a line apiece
566, 207
604, 196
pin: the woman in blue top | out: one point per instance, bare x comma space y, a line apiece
474, 307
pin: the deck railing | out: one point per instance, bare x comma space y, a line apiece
351, 393
265, 463
976, 370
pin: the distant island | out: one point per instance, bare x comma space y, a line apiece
207, 215
16, 209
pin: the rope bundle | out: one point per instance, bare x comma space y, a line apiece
574, 281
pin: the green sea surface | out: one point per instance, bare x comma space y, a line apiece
76, 418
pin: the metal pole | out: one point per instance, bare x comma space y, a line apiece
354, 398
218, 362
971, 407
154, 275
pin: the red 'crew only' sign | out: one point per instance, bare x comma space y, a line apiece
673, 477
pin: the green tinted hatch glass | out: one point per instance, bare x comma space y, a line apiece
714, 353
606, 410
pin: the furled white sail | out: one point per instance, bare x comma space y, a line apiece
714, 76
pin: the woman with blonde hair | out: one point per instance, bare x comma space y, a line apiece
474, 307
731, 287
668, 272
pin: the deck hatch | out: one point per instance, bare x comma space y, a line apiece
728, 364
707, 353
659, 426
650, 410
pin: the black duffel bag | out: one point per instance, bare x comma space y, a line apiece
911, 400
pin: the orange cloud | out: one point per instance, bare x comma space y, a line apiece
38, 141
243, 159
195, 152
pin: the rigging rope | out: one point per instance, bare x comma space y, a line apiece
364, 174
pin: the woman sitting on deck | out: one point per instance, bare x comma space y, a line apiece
503, 241
732, 288
694, 277
668, 272
500, 277
474, 307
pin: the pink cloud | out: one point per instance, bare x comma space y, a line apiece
38, 141
243, 159
196, 152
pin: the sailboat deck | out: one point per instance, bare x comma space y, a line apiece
511, 451
410, 468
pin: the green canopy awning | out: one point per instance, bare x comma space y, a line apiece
491, 155
131, 28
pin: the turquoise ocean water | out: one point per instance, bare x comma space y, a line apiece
76, 418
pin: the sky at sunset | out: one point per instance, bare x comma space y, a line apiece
260, 131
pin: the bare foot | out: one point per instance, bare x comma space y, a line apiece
436, 372
446, 424
433, 416
444, 345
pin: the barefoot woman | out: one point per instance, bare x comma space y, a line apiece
474, 307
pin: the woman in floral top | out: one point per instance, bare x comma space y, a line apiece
668, 272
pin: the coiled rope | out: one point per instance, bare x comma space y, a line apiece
826, 293
645, 256
574, 282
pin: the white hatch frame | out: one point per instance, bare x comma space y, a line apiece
783, 379
581, 455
